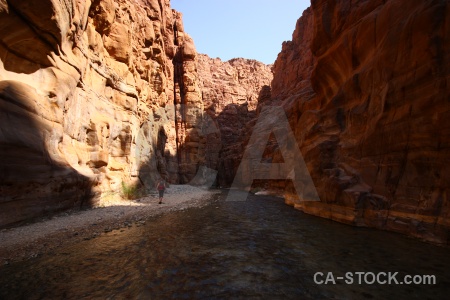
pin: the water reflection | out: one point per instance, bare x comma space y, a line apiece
259, 248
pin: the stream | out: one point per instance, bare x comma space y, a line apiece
255, 249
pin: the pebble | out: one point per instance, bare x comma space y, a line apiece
115, 221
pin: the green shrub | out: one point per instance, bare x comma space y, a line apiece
130, 192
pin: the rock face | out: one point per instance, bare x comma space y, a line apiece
99, 95
89, 100
365, 85
231, 92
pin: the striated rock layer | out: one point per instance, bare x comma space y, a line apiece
365, 85
89, 100
99, 96
231, 92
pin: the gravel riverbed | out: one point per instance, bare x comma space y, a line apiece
32, 240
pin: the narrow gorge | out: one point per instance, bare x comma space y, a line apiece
104, 94
99, 95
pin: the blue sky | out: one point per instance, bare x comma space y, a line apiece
240, 28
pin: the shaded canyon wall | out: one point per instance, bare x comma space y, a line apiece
365, 86
97, 95
231, 93
88, 100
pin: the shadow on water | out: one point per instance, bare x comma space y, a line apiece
259, 248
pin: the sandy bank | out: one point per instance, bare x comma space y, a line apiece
37, 238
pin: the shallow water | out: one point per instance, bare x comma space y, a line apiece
255, 249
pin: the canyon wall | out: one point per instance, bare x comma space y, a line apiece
89, 100
231, 93
365, 86
98, 96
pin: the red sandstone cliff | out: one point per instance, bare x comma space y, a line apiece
96, 93
99, 94
89, 99
365, 85
231, 92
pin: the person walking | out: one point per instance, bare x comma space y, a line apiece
161, 187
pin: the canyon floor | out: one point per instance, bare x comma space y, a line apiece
31, 240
